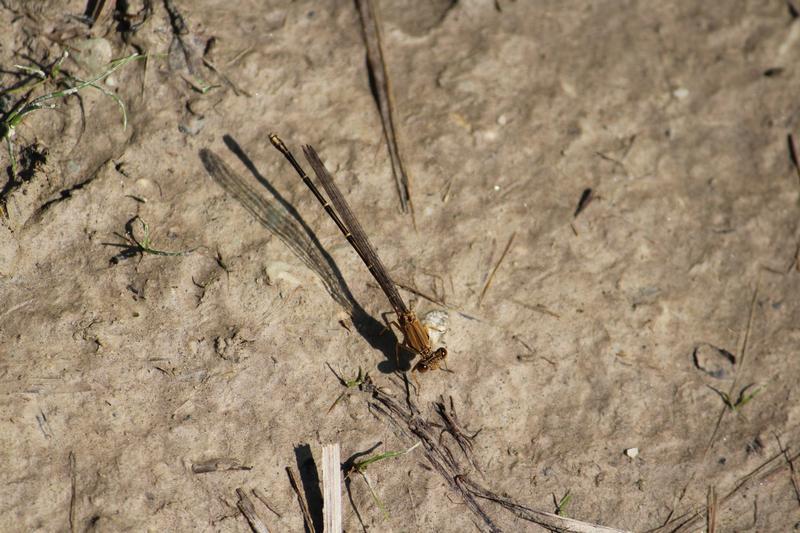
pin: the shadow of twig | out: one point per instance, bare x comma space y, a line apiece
310, 479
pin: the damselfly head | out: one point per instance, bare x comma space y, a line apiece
432, 362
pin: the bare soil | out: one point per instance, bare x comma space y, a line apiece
605, 358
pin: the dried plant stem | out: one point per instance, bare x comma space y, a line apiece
332, 488
379, 75
301, 499
247, 508
496, 266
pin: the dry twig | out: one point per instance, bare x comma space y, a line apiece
711, 510
245, 505
454, 428
301, 499
496, 266
408, 420
263, 498
382, 91
72, 497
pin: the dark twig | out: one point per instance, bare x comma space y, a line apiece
72, 493
382, 91
793, 11
550, 521
92, 11
586, 197
454, 428
792, 472
301, 499
408, 420
793, 155
218, 465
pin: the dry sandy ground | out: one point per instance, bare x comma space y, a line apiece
118, 374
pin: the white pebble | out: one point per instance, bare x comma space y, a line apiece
680, 93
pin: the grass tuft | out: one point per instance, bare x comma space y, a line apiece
27, 105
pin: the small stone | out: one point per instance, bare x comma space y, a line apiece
717, 362
633, 453
680, 93
437, 323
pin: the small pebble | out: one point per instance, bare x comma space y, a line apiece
680, 93
486, 135
633, 453
437, 323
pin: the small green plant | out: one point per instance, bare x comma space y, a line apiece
561, 505
357, 381
742, 400
133, 246
360, 467
27, 105
201, 86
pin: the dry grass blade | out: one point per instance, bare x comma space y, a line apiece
382, 91
689, 520
711, 510
421, 294
332, 488
494, 270
301, 499
247, 508
550, 521
72, 497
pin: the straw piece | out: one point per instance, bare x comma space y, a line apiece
332, 488
247, 508
301, 499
